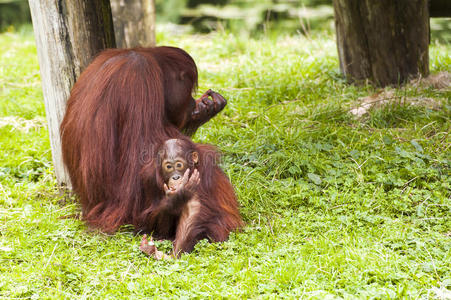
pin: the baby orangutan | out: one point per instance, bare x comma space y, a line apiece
196, 201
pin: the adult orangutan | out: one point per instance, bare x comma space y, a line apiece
191, 197
124, 104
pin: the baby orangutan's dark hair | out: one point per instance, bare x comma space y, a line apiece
197, 200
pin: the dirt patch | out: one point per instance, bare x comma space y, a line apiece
375, 100
440, 81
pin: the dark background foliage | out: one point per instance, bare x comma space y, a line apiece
245, 17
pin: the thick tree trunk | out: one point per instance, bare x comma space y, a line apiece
68, 33
134, 22
385, 41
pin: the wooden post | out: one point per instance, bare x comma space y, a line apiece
134, 22
68, 33
385, 41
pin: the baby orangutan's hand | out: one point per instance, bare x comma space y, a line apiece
187, 183
149, 248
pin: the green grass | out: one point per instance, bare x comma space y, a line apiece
334, 206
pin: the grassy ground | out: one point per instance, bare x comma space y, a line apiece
335, 206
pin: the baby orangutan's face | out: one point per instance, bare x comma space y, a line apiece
174, 162
173, 171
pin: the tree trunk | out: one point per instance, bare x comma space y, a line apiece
385, 41
68, 33
134, 22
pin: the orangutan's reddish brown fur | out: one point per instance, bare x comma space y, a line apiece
205, 207
124, 104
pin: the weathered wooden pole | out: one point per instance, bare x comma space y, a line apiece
134, 22
385, 41
68, 33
